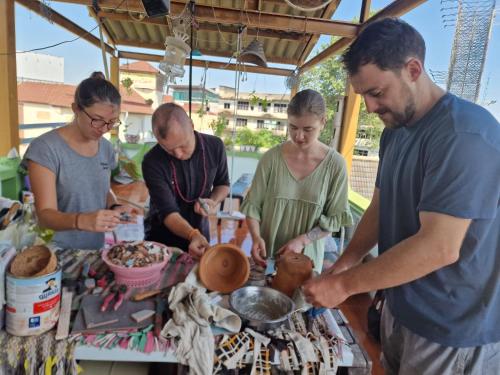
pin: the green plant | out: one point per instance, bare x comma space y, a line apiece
265, 104
219, 125
127, 83
245, 137
254, 99
149, 102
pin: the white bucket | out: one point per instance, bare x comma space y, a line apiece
32, 303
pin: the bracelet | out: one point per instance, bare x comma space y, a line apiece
193, 232
114, 205
76, 221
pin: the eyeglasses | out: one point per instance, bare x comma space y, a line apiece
99, 124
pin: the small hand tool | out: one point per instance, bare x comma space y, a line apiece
204, 206
118, 294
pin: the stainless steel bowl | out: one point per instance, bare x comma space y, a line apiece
262, 307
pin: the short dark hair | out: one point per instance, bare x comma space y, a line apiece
307, 102
163, 114
96, 89
387, 43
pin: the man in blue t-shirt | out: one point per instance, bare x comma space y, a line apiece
435, 215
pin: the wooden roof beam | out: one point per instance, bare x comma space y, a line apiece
204, 63
364, 14
161, 46
396, 9
124, 17
328, 12
249, 18
105, 30
42, 10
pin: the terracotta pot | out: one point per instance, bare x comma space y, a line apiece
292, 271
224, 268
34, 261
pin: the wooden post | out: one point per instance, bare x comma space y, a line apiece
9, 122
115, 71
115, 80
350, 119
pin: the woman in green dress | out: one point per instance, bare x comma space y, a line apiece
299, 192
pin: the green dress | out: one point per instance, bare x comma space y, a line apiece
287, 208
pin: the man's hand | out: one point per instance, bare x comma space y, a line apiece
326, 290
198, 246
205, 207
259, 253
295, 245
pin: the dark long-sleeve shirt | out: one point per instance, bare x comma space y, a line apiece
158, 175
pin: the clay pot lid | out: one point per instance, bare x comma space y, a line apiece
293, 270
224, 268
34, 261
295, 263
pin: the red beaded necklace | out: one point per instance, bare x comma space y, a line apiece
174, 174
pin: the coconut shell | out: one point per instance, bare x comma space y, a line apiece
34, 261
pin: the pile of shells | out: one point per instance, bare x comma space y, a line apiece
136, 254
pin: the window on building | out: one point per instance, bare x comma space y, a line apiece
260, 124
279, 126
227, 105
279, 107
241, 122
243, 105
360, 152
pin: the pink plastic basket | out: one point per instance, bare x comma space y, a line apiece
138, 277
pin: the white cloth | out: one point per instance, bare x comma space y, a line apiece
192, 315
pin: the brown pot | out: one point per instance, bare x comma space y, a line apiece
34, 261
224, 268
292, 271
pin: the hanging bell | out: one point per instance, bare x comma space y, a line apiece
254, 54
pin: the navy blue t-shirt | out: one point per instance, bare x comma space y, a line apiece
448, 162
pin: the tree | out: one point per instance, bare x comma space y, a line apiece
218, 126
329, 78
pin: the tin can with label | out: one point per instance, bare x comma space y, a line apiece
32, 303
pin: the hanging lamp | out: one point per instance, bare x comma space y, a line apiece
254, 54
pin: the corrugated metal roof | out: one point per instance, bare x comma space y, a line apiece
216, 39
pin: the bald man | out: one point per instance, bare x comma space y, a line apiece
184, 168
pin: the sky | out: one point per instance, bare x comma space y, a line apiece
82, 58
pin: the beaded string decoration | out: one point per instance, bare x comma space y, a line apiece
174, 175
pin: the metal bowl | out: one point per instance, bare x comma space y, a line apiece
262, 307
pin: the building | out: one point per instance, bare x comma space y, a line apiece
255, 111
145, 79
43, 106
39, 68
205, 105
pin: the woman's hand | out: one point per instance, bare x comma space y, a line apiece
128, 214
259, 253
198, 246
295, 245
98, 221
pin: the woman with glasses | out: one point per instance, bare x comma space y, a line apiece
70, 169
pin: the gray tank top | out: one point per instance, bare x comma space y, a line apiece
82, 183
